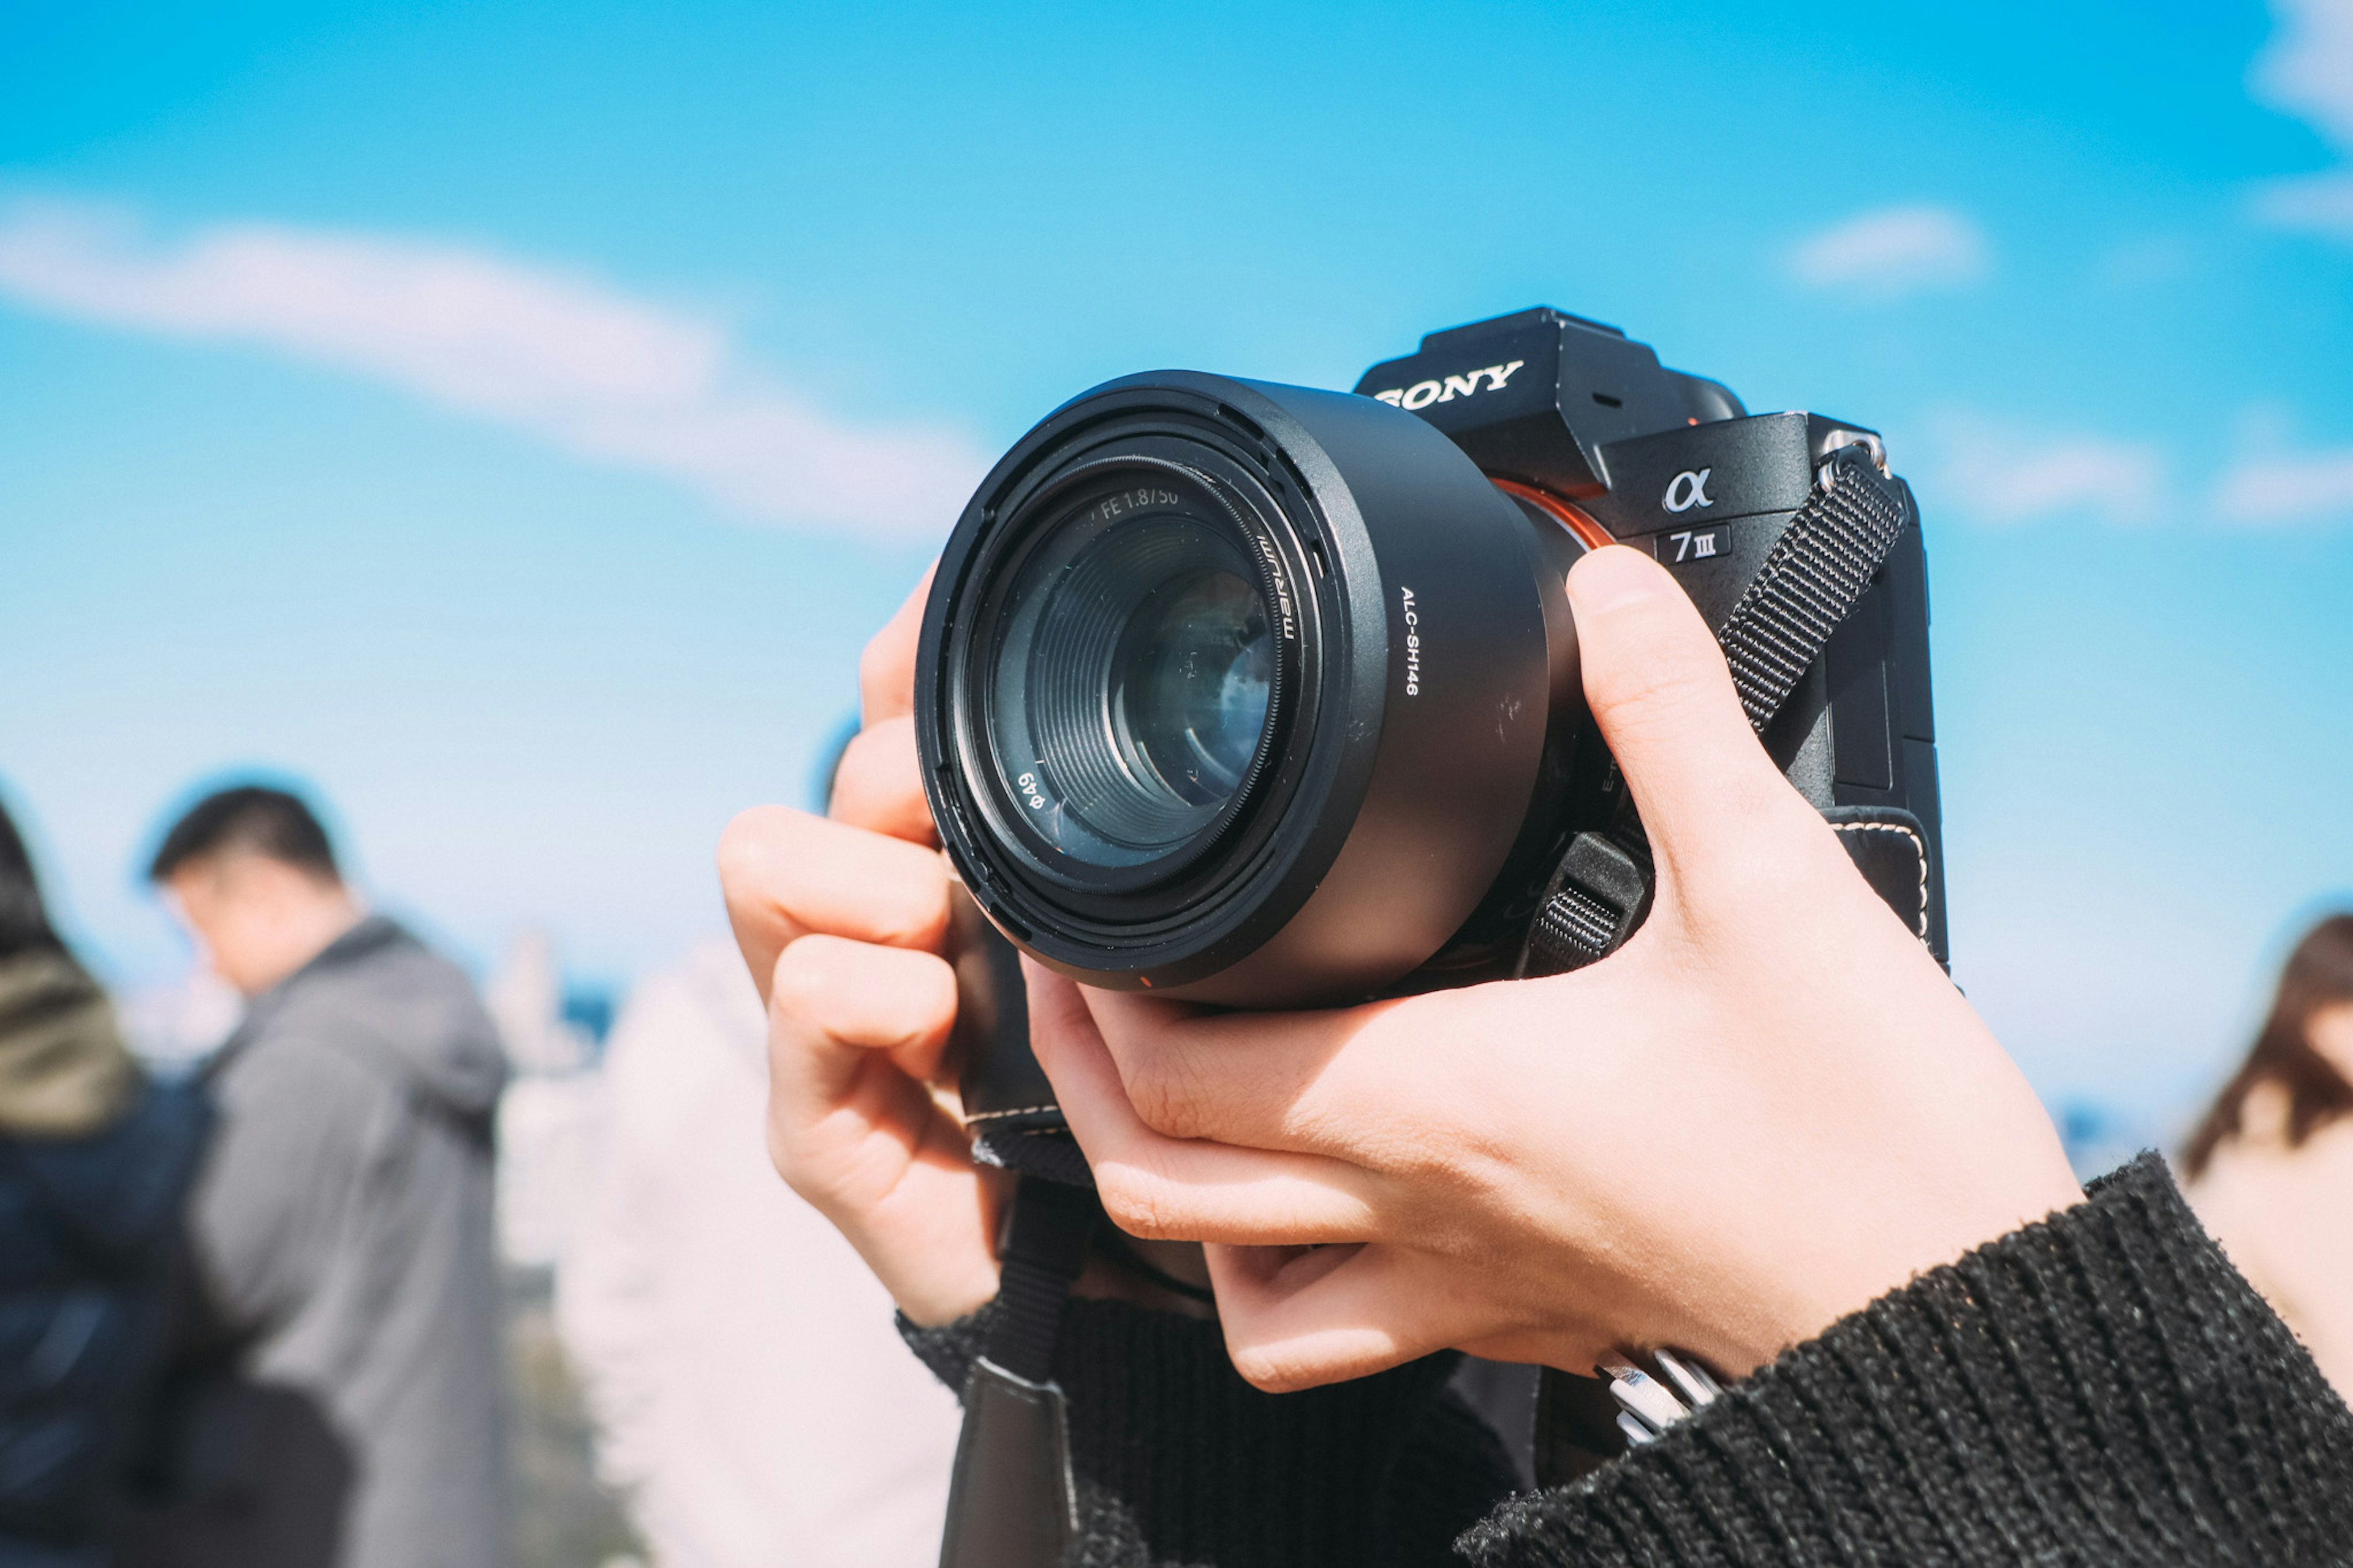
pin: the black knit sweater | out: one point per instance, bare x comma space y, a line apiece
2101, 1388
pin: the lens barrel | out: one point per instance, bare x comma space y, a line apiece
1247, 694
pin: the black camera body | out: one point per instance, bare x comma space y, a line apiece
1267, 696
1576, 412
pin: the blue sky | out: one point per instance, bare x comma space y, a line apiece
512, 418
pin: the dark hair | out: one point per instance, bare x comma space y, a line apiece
2320, 974
252, 818
24, 917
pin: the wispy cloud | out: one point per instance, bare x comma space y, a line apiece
2307, 66
2009, 473
1892, 251
2006, 473
2317, 204
608, 377
2286, 488
2308, 70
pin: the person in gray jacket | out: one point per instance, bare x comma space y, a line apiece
342, 1224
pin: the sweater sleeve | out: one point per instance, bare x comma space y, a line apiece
2099, 1388
1177, 1460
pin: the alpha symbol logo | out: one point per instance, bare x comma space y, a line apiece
1422, 394
1688, 489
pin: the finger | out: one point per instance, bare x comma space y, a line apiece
886, 670
1297, 1318
1262, 1080
787, 874
840, 999
1659, 689
879, 785
1171, 1189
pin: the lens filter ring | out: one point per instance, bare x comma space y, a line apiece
1128, 678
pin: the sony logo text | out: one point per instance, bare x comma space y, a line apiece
1422, 394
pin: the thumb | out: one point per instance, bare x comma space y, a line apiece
1657, 687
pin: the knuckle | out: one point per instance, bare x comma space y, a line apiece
1160, 1092
1273, 1368
784, 1153
1134, 1202
804, 980
882, 664
879, 757
930, 989
746, 844
913, 919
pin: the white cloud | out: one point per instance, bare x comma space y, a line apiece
2308, 70
2287, 488
2013, 474
2308, 66
598, 373
1893, 251
2006, 471
2318, 204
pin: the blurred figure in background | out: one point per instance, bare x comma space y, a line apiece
2270, 1166
94, 1163
342, 1224
552, 1119
753, 1403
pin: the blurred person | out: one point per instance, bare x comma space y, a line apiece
753, 1403
2271, 1165
341, 1223
94, 1164
552, 1119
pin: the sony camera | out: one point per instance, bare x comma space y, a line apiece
1266, 696
1269, 696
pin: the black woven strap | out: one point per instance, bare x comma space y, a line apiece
1810, 580
1045, 1247
1597, 895
1818, 568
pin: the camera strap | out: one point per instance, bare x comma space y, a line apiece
1810, 580
1012, 1501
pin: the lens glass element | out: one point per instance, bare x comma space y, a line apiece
1131, 676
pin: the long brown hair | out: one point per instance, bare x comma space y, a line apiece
2319, 974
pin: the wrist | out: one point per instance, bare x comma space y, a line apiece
930, 1298
1859, 1268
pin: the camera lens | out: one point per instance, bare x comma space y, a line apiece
1247, 693
1131, 676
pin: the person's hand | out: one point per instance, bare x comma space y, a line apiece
1769, 1108
844, 920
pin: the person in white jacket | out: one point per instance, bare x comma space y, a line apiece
755, 1406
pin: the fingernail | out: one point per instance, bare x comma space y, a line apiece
1613, 577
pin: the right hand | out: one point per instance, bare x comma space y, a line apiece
1768, 1108
844, 921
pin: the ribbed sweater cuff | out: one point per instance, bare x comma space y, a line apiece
1180, 1461
2101, 1388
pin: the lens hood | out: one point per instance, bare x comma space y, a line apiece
1245, 693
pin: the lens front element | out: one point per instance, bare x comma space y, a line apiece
1192, 685
1131, 676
